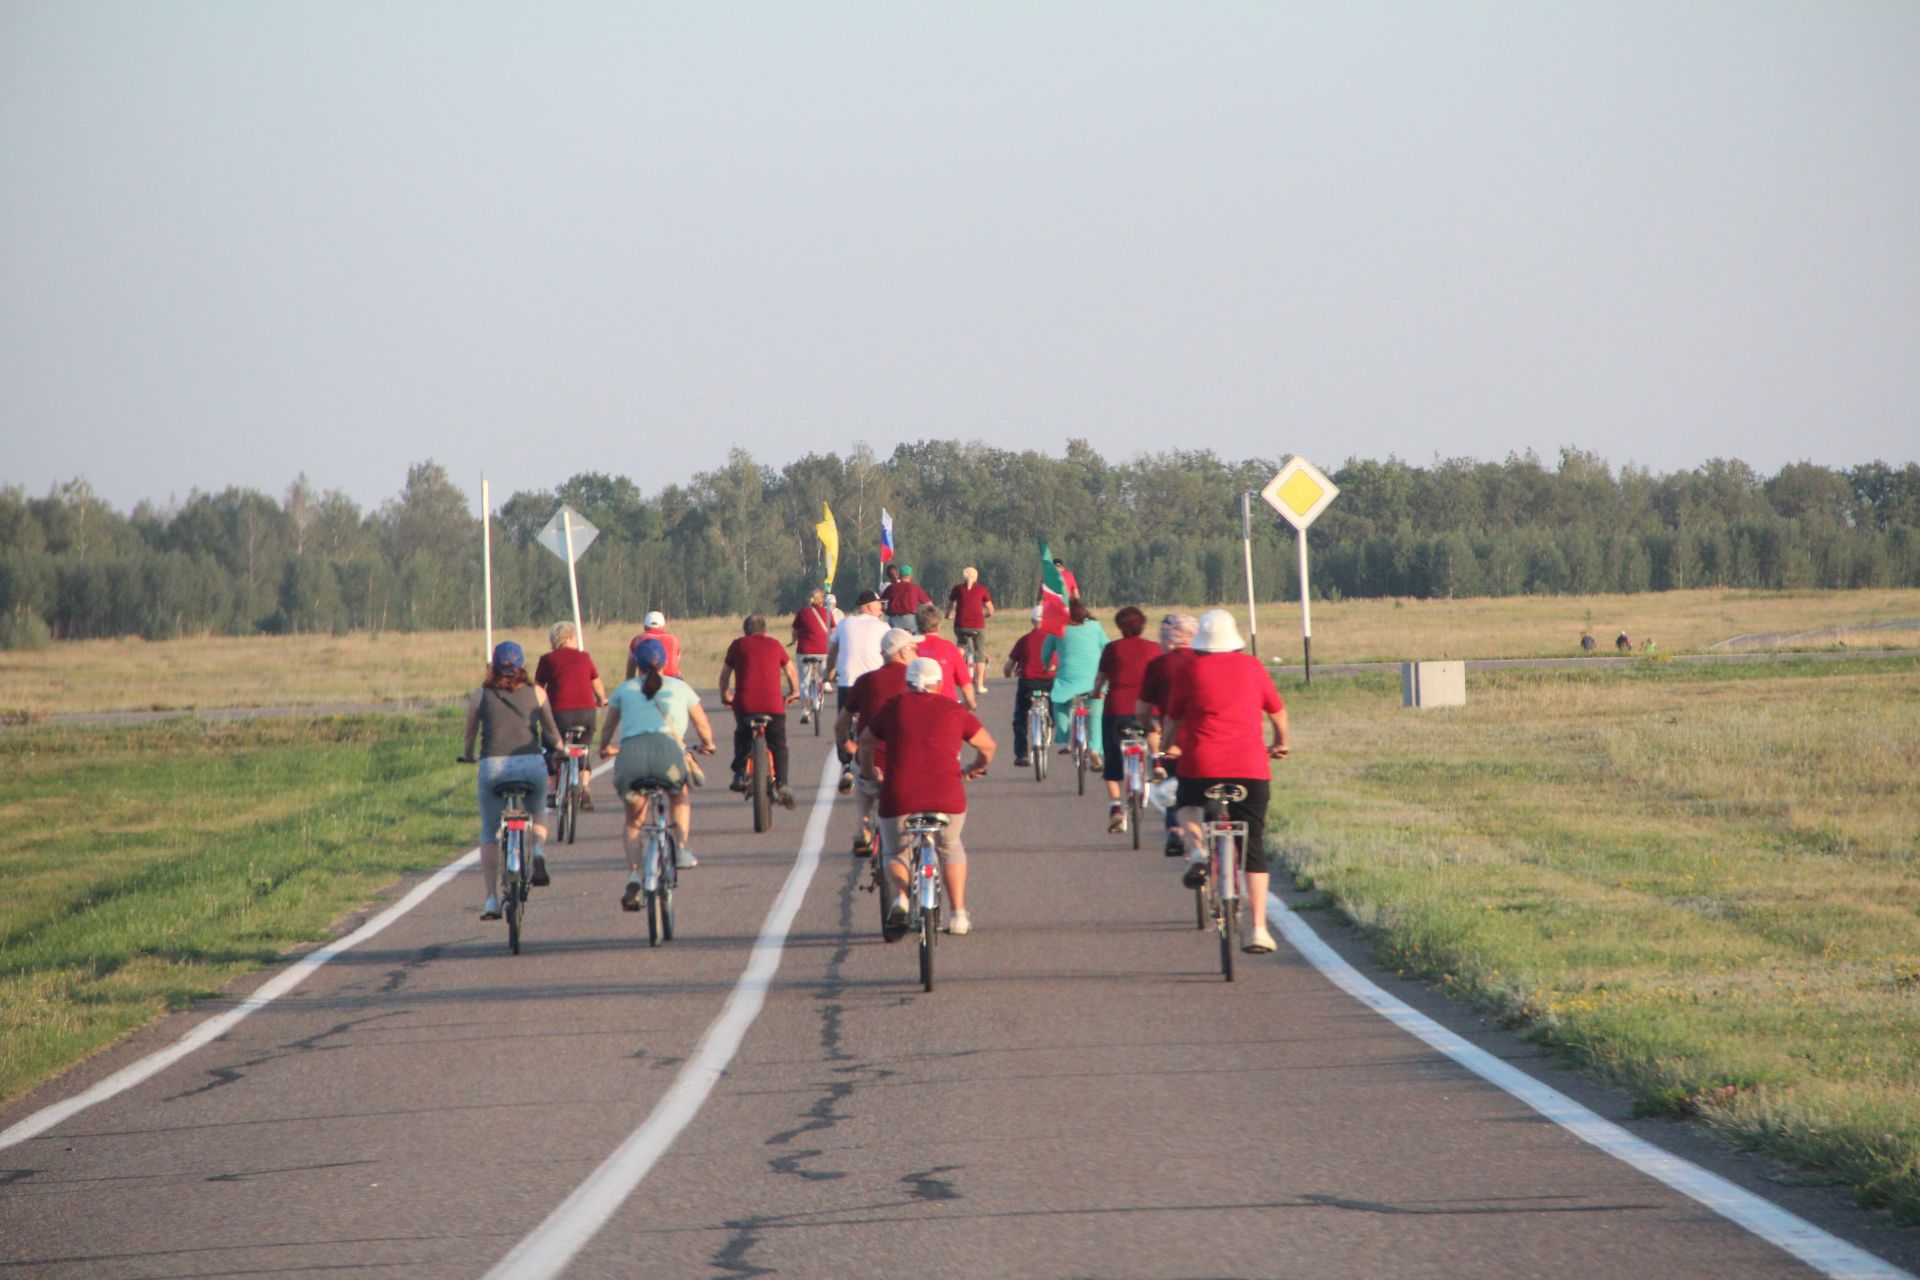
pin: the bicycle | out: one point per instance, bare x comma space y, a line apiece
659, 862
1077, 741
1221, 898
1133, 757
760, 773
923, 894
813, 687
568, 787
1040, 731
517, 873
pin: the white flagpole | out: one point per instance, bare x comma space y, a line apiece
486, 558
1306, 611
573, 578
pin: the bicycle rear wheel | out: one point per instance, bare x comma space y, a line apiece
929, 934
1080, 765
762, 785
1200, 908
513, 902
569, 823
1041, 743
669, 882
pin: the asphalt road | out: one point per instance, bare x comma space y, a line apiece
1082, 1096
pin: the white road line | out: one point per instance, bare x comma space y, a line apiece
215, 1027
1825, 1253
547, 1250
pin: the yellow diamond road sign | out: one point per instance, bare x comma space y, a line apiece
1300, 492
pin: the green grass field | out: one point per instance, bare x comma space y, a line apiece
1699, 881
154, 865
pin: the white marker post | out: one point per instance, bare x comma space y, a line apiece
568, 535
1300, 491
486, 559
1246, 548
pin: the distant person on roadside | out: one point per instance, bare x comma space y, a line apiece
970, 604
510, 721
953, 663
813, 635
920, 772
1215, 719
576, 694
1622, 643
1029, 661
904, 600
1587, 644
1078, 650
757, 678
654, 627
1156, 690
651, 714
853, 651
1116, 686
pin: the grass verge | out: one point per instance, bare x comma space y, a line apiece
153, 865
1703, 883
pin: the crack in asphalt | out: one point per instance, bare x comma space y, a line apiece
223, 1076
292, 1168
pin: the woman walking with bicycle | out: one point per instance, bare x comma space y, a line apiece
651, 713
1216, 717
510, 720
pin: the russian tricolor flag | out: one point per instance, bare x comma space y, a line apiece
886, 537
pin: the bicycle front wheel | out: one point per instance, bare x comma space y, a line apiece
929, 934
762, 780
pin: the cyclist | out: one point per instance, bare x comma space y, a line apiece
509, 716
921, 773
654, 627
1123, 664
812, 633
651, 713
1078, 650
1214, 719
970, 604
1030, 662
1176, 637
760, 665
903, 598
575, 693
953, 662
870, 693
854, 650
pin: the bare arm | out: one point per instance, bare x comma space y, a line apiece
1282, 740
864, 754
607, 732
983, 746
599, 693
792, 675
473, 725
697, 717
549, 727
726, 686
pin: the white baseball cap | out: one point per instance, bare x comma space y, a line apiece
1217, 633
923, 675
896, 639
655, 618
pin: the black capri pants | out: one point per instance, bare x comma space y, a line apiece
1252, 811
1113, 766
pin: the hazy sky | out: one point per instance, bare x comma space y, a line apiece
243, 240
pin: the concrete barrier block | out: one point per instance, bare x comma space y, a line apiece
1433, 684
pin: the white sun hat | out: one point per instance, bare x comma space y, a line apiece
1217, 633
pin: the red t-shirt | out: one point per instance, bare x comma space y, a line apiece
969, 605
667, 642
756, 662
567, 675
1028, 656
923, 736
953, 663
1156, 686
1124, 663
871, 694
904, 596
1218, 699
812, 628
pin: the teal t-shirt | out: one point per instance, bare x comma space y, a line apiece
1079, 649
665, 712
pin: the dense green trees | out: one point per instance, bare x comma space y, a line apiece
1160, 527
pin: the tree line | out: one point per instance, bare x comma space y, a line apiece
1160, 527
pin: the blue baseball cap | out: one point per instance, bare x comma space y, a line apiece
507, 655
651, 654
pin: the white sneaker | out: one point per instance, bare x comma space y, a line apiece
1260, 944
683, 858
491, 911
961, 923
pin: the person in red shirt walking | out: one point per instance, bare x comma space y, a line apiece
574, 691
953, 662
1029, 660
1123, 665
1156, 687
654, 627
970, 604
1215, 719
921, 773
903, 599
868, 697
751, 679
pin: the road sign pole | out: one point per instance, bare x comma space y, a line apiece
573, 578
1246, 548
1306, 611
486, 558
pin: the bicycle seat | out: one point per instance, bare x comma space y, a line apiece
759, 722
1132, 733
513, 790
576, 734
927, 822
647, 786
1231, 792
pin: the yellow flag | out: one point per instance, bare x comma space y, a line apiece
830, 539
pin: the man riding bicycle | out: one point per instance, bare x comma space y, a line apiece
760, 665
868, 697
812, 636
953, 663
920, 773
853, 651
575, 693
654, 627
1030, 661
1123, 665
1156, 687
1214, 717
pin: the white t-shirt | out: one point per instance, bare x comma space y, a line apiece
858, 636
